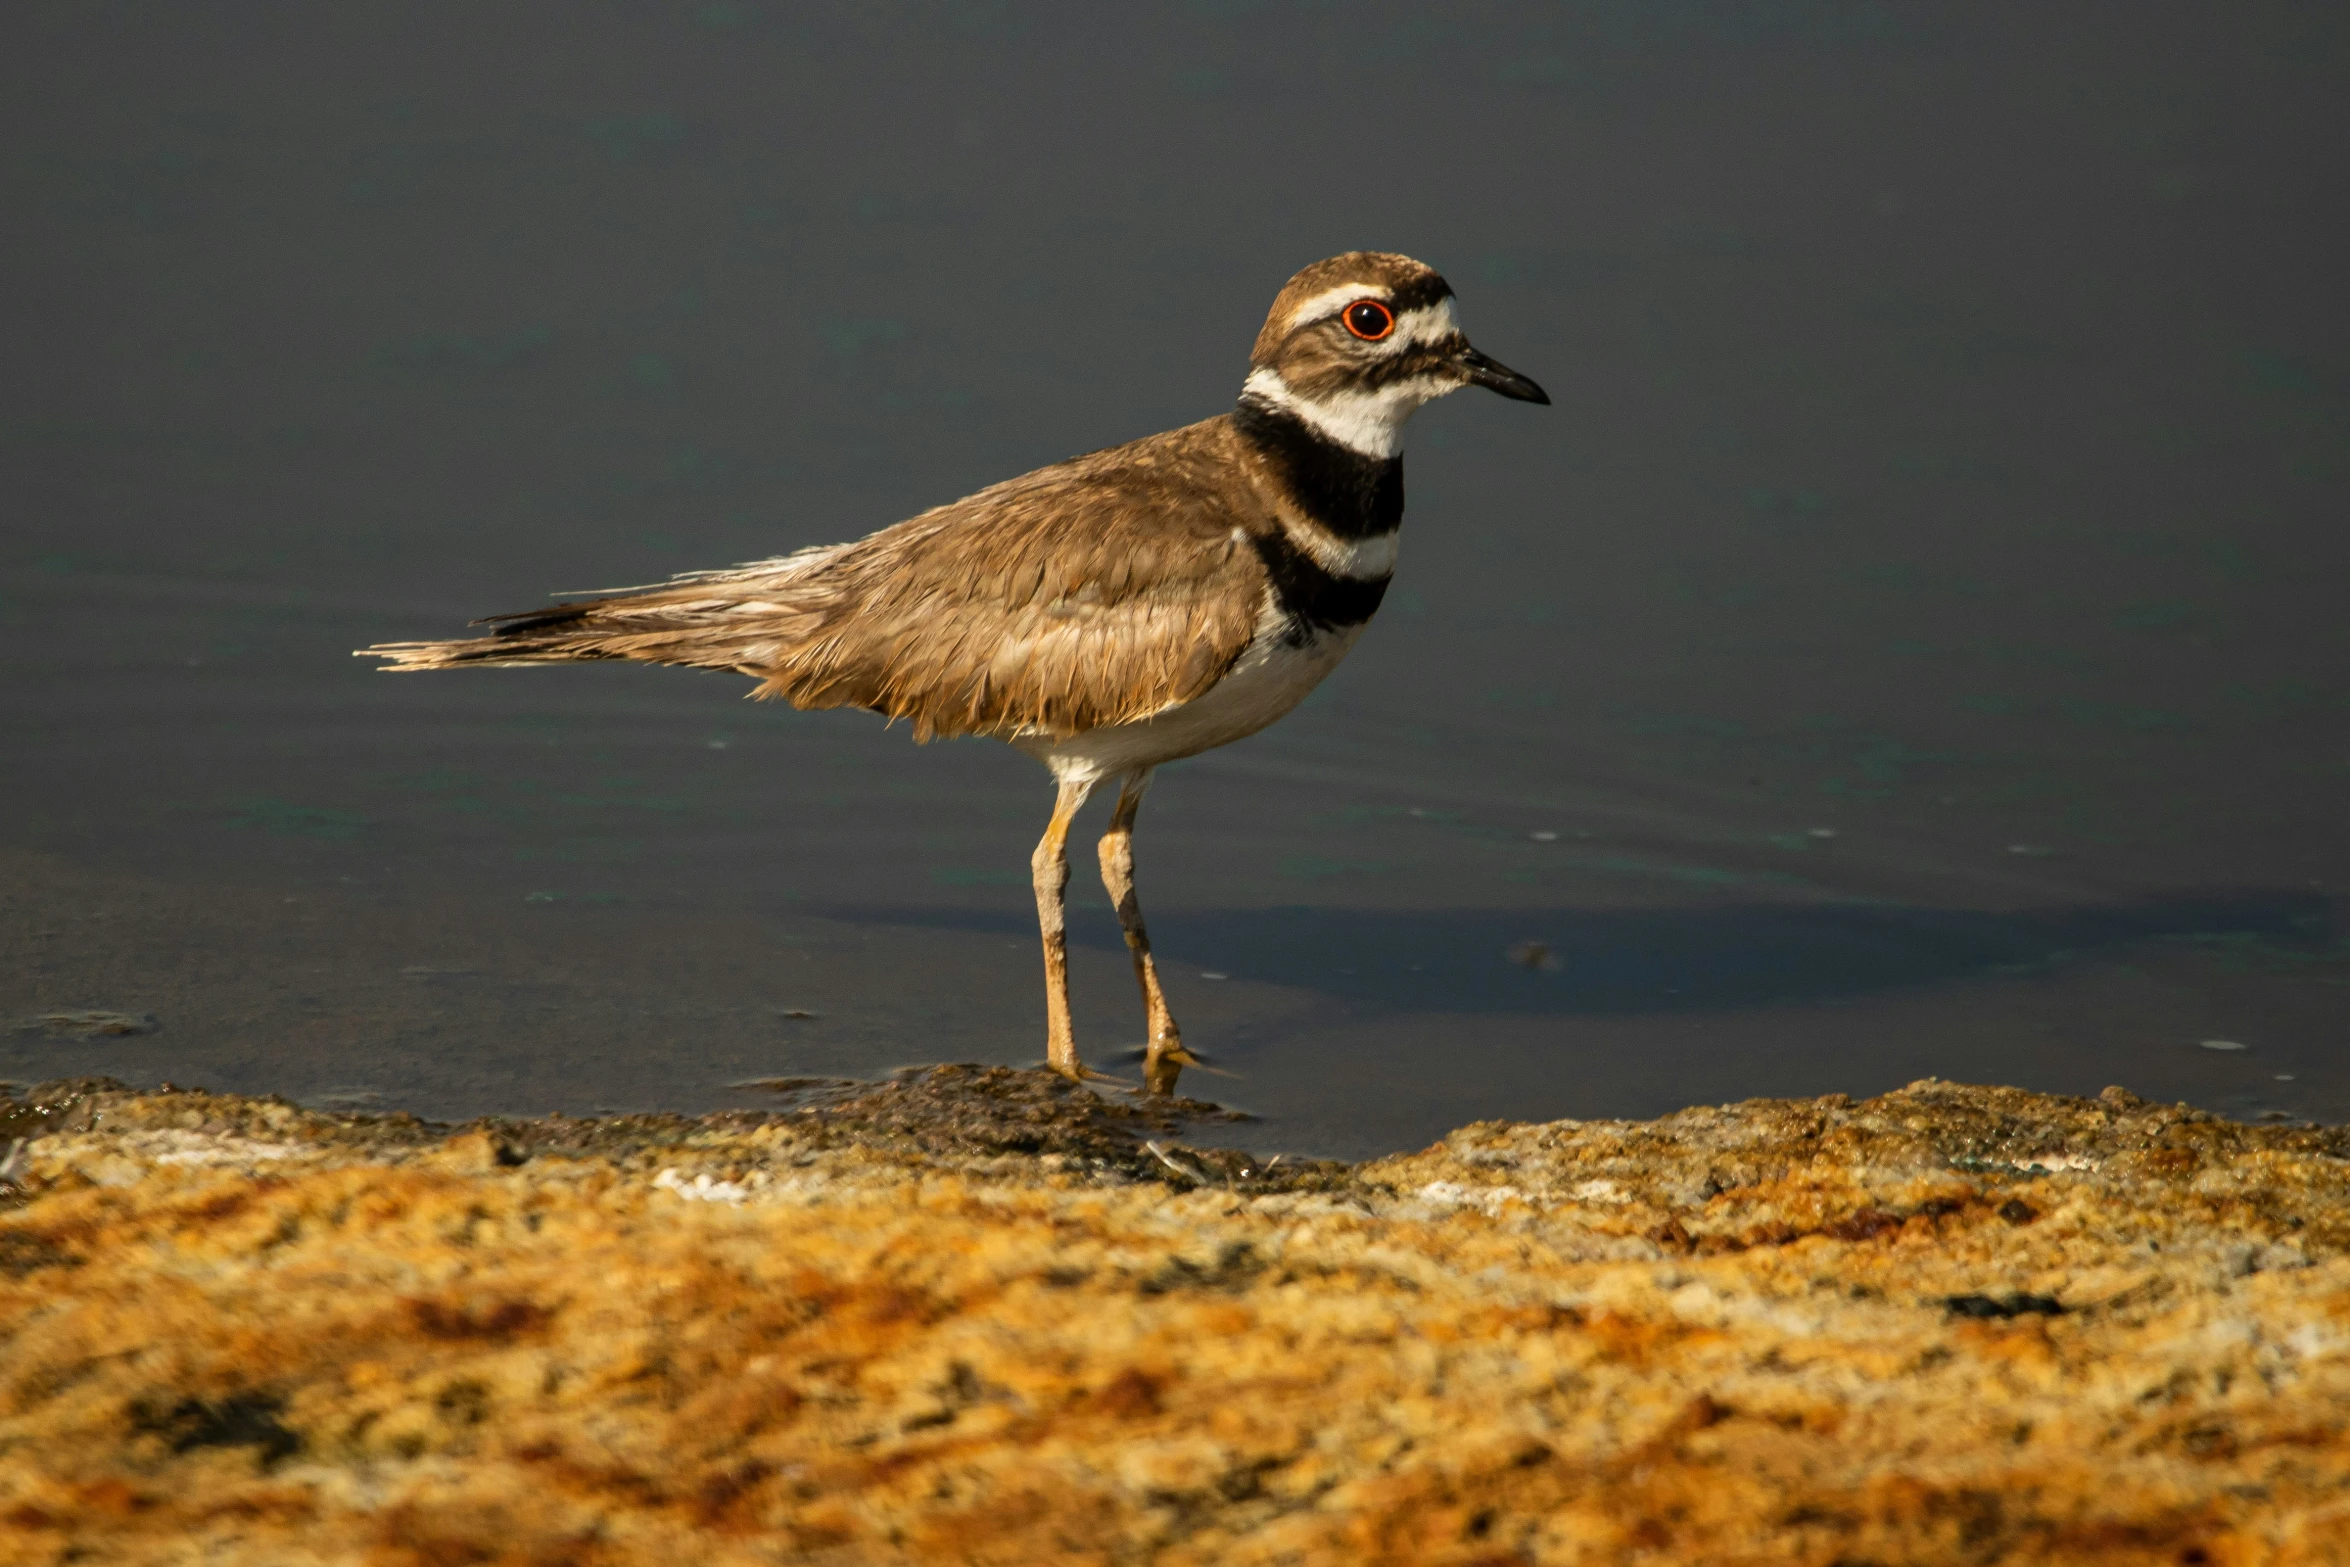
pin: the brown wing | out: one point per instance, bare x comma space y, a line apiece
1093, 592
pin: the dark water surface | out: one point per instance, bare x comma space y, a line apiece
1914, 643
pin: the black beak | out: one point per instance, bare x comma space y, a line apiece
1493, 373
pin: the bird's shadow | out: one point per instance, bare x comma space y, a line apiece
1632, 961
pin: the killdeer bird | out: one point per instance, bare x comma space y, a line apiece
1105, 614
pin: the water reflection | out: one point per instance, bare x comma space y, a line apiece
1926, 593
1607, 962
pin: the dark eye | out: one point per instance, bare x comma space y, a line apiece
1369, 320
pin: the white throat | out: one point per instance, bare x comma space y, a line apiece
1367, 422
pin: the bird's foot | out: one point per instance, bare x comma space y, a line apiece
1164, 1062
1077, 1071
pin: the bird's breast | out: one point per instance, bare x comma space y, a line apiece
1281, 665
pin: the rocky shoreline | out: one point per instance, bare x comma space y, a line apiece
973, 1314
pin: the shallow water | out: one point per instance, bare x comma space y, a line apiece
1911, 645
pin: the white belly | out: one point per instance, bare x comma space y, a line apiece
1269, 678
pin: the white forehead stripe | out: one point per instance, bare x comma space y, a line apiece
1367, 422
1428, 324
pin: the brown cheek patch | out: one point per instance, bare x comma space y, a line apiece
1321, 361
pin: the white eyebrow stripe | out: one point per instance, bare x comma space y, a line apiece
1427, 324
1332, 300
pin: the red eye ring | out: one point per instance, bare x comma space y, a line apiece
1369, 320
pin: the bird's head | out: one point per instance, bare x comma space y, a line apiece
1355, 344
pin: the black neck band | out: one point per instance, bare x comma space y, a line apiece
1314, 600
1354, 496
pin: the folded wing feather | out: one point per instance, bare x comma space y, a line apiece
1093, 592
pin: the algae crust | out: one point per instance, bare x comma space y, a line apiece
977, 1315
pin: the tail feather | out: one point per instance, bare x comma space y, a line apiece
523, 621
735, 619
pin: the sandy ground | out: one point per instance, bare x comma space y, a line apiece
977, 1315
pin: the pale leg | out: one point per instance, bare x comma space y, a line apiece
1050, 864
1166, 1057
